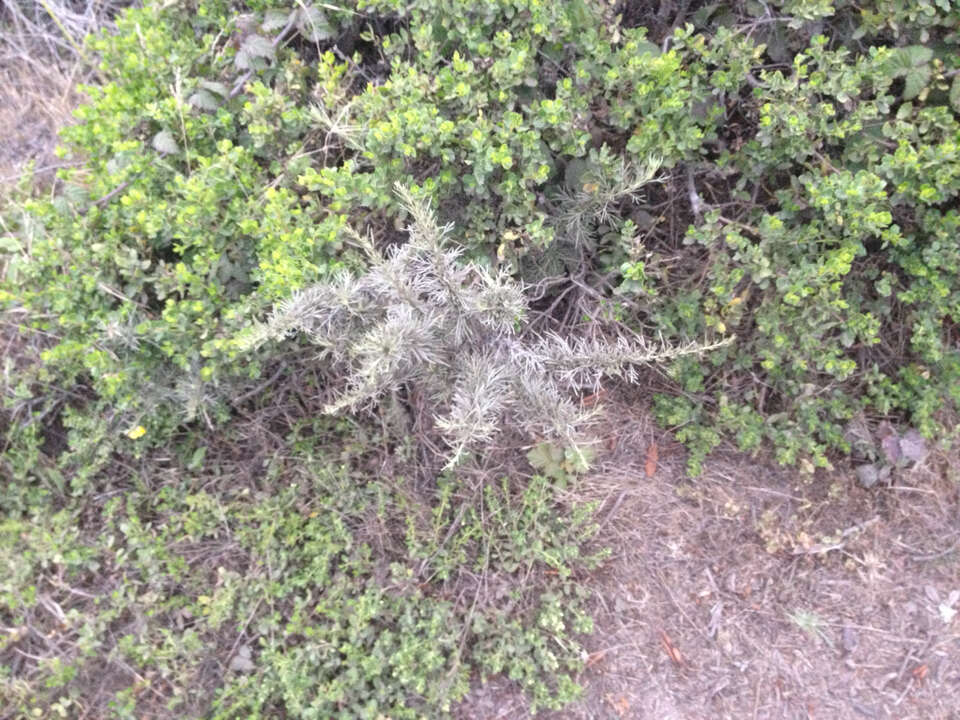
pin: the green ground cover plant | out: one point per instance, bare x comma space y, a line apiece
777, 181
315, 590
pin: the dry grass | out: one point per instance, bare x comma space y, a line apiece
42, 59
34, 104
755, 594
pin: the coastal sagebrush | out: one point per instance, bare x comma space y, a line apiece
422, 317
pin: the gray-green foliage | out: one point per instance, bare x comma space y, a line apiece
460, 334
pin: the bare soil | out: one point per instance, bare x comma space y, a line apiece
755, 593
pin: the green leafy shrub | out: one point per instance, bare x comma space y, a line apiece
812, 274
177, 224
223, 168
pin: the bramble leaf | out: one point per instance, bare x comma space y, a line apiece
217, 88
259, 46
166, 143
275, 18
313, 25
204, 100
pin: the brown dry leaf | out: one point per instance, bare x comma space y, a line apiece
671, 649
619, 704
594, 399
595, 657
653, 454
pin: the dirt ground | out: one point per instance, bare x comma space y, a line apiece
753, 593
